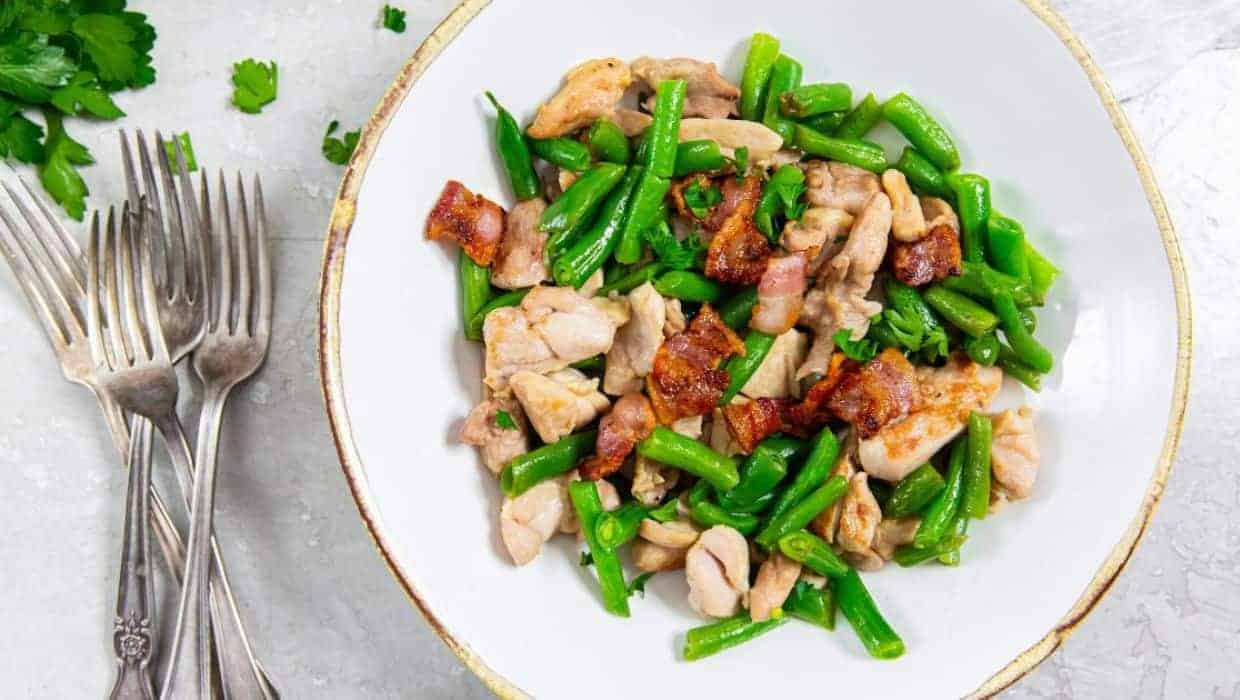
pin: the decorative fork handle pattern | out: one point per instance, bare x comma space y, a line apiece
133, 636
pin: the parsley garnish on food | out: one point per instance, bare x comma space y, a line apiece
255, 83
676, 255
394, 19
587, 559
666, 512
789, 197
638, 585
336, 150
504, 420
741, 160
700, 199
862, 350
187, 149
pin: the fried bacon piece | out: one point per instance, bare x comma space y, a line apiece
473, 221
678, 193
686, 379
872, 395
630, 421
738, 252
932, 258
811, 413
752, 422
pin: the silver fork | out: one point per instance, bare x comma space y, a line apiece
238, 335
179, 234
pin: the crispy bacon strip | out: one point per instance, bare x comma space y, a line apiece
932, 258
738, 252
686, 379
879, 392
630, 421
473, 221
781, 294
811, 413
678, 193
751, 423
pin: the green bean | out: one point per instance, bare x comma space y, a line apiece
588, 253
754, 508
617, 528
549, 461
961, 311
785, 76
738, 308
792, 449
1021, 372
1028, 350
643, 212
803, 513
926, 134
976, 499
983, 282
709, 514
607, 142
510, 143
704, 641
813, 605
958, 532
1042, 273
675, 450
923, 175
563, 152
698, 156
860, 120
759, 63
740, 368
641, 147
1005, 246
914, 491
633, 280
1028, 319
973, 206
863, 615
825, 123
475, 281
474, 329
845, 150
665, 129
771, 201
910, 555
665, 513
760, 473
687, 285
944, 507
571, 213
882, 491
590, 364
584, 495
813, 552
812, 100
983, 350
821, 459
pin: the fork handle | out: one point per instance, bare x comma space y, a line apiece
132, 635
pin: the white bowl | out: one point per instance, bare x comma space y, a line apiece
1032, 116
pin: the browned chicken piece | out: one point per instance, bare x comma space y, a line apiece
529, 520
780, 294
739, 200
875, 394
573, 326
1014, 454
908, 223
935, 257
675, 319
632, 356
558, 403
775, 580
894, 532
827, 522
752, 422
632, 122
565, 179
677, 534
652, 479
591, 91
512, 346
629, 422
948, 394
686, 379
938, 212
738, 252
776, 377
717, 569
819, 235
731, 134
651, 558
859, 517
473, 221
700, 78
519, 261
497, 443
839, 185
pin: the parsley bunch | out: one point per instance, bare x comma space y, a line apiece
65, 58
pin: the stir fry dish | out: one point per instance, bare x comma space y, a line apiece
724, 335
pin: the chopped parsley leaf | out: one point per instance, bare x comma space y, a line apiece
336, 150
394, 19
255, 84
504, 420
700, 199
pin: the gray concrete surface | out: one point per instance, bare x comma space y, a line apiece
328, 619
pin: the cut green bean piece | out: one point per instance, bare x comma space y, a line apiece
741, 368
588, 253
567, 216
760, 473
983, 282
647, 203
475, 281
814, 553
813, 605
792, 449
1021, 372
973, 207
818, 464
675, 450
759, 63
914, 492
563, 152
590, 364
618, 527
665, 129
1005, 246
737, 309
961, 311
514, 152
863, 615
699, 156
958, 531
784, 77
549, 461
1028, 350
826, 123
704, 641
984, 350
667, 512
812, 100
633, 280
585, 499
802, 513
923, 175
1042, 273
607, 142
944, 506
861, 119
687, 285
910, 118
708, 514
910, 555
846, 150
976, 498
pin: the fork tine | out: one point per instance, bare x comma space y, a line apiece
263, 263
195, 249
207, 238
126, 275
131, 175
111, 286
62, 269
34, 295
174, 228
65, 312
244, 274
223, 310
158, 247
94, 271
67, 241
146, 277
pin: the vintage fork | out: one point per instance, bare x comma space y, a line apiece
238, 335
179, 234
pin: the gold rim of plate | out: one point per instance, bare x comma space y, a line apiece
341, 223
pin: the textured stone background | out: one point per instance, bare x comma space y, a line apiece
329, 620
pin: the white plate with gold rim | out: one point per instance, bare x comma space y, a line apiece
1028, 109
